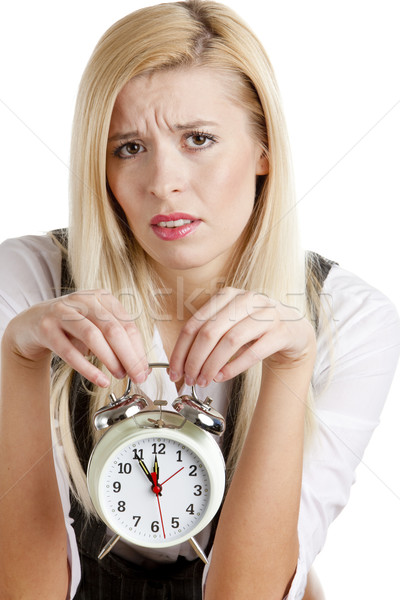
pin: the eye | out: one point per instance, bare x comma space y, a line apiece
128, 150
199, 140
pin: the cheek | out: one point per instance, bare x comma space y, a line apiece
231, 184
121, 188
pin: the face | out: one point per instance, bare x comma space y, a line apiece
182, 163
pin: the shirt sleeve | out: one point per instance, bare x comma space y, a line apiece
364, 335
30, 272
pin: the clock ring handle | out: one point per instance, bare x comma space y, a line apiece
160, 365
190, 407
155, 365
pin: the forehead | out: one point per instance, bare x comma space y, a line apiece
176, 96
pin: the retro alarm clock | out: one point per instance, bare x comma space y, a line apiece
157, 477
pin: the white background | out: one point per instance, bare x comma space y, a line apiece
338, 64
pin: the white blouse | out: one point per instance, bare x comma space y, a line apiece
348, 401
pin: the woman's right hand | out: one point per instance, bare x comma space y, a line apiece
77, 325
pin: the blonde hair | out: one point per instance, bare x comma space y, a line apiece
271, 261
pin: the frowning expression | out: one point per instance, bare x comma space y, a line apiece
182, 163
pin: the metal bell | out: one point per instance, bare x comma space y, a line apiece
120, 409
200, 413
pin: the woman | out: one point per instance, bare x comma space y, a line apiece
183, 246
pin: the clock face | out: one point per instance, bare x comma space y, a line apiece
155, 491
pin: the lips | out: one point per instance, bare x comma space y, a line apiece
172, 217
174, 226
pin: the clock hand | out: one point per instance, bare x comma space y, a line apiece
155, 475
157, 489
181, 469
156, 468
145, 469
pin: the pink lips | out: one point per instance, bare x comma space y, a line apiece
174, 233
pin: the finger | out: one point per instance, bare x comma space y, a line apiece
252, 354
125, 339
66, 350
106, 320
80, 346
231, 346
237, 322
192, 327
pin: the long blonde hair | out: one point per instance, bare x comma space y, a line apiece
101, 246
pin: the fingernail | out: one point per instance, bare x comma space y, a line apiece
102, 380
201, 381
189, 380
173, 376
219, 377
141, 378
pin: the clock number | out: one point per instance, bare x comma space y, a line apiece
121, 506
179, 453
116, 487
193, 471
155, 526
190, 509
175, 522
124, 468
136, 519
161, 448
198, 488
138, 454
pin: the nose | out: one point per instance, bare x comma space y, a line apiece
167, 175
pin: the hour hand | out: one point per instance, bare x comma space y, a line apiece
145, 470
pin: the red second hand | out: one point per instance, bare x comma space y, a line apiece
159, 508
157, 489
172, 476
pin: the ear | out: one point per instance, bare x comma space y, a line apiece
262, 165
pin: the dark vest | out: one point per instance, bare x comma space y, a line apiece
114, 578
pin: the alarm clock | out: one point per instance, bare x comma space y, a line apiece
156, 477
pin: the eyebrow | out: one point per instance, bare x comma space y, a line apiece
178, 127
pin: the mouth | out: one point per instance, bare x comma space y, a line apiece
177, 223
174, 226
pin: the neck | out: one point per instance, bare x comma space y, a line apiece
185, 291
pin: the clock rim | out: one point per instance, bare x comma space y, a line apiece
199, 441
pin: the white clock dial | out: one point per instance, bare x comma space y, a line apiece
131, 502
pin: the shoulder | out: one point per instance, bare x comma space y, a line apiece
30, 246
359, 327
354, 300
30, 271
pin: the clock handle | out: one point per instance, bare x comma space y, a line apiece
190, 407
156, 365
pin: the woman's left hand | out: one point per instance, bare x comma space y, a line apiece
235, 330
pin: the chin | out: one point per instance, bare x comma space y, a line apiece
186, 264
